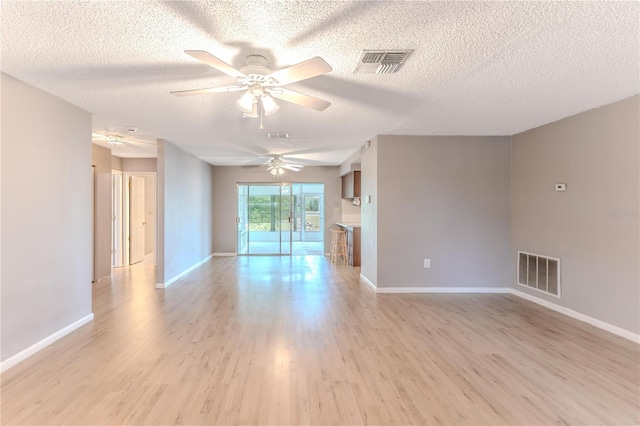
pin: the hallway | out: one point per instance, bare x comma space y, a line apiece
296, 340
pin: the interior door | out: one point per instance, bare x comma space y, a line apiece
136, 219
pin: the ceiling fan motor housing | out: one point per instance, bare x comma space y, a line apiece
256, 69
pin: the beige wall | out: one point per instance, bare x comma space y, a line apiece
101, 161
139, 164
593, 226
444, 198
46, 215
185, 211
225, 190
116, 163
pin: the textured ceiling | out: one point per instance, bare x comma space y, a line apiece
478, 68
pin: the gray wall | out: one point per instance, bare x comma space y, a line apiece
185, 211
445, 198
101, 160
369, 212
226, 179
593, 226
46, 215
351, 163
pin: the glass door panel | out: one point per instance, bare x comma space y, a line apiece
242, 219
308, 226
286, 219
264, 219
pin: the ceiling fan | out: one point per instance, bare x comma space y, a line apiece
277, 166
261, 84
116, 139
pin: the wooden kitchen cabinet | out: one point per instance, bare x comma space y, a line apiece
351, 185
353, 246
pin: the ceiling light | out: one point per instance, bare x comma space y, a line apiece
245, 103
277, 171
253, 113
115, 140
269, 105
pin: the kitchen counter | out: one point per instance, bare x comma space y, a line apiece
348, 225
353, 241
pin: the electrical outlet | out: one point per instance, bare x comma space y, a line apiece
427, 263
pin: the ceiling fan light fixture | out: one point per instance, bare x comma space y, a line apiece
277, 171
253, 113
246, 102
115, 140
269, 105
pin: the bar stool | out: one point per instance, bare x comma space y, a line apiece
339, 245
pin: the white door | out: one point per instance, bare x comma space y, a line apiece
136, 219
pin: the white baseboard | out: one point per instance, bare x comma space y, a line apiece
183, 273
579, 316
38, 346
475, 290
368, 282
225, 254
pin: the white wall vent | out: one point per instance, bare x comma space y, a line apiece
381, 61
278, 135
539, 272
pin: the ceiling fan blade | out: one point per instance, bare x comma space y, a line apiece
302, 71
208, 90
290, 167
214, 62
300, 99
141, 142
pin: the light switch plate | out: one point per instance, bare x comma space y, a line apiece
560, 187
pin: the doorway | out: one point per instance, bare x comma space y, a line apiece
280, 219
135, 231
116, 219
264, 219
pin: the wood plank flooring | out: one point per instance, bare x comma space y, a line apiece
272, 340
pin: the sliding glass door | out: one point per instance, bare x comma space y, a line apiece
264, 219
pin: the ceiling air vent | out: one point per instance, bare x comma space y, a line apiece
278, 135
381, 61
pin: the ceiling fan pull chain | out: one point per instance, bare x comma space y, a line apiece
261, 111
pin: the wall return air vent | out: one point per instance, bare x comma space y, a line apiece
539, 272
381, 61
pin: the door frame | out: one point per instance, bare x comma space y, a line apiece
117, 230
125, 211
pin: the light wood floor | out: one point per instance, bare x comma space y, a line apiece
299, 341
